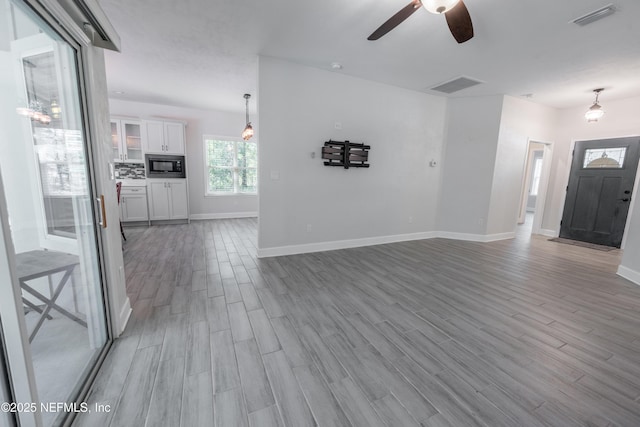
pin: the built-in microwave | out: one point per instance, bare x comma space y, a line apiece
163, 166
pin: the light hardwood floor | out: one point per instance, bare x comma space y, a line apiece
521, 332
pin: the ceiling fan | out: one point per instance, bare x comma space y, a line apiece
454, 11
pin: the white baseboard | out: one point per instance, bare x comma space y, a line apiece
225, 215
484, 238
629, 274
547, 232
123, 317
342, 244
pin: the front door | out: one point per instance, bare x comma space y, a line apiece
599, 190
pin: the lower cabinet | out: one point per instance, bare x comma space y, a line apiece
167, 199
133, 204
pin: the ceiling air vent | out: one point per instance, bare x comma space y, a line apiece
455, 85
594, 16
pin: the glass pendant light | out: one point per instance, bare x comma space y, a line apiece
594, 112
247, 133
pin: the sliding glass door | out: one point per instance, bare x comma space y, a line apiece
55, 322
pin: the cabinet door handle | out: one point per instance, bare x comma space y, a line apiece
125, 157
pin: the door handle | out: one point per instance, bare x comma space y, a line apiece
102, 210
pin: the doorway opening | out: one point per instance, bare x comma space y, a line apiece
534, 186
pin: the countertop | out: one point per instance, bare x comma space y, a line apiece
133, 182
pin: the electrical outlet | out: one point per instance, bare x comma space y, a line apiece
410, 220
337, 125
309, 228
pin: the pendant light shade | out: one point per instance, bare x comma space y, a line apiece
247, 133
594, 112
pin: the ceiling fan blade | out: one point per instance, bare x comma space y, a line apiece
395, 20
459, 22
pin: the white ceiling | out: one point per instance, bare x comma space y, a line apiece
203, 53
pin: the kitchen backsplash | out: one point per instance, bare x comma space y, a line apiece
129, 170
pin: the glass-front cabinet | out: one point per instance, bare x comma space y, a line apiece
53, 311
126, 141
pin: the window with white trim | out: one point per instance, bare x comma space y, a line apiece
231, 165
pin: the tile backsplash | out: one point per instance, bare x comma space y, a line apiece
129, 170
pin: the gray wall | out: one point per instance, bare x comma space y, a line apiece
302, 201
473, 126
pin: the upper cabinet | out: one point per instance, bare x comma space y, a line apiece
126, 140
163, 137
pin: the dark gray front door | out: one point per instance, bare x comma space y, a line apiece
599, 190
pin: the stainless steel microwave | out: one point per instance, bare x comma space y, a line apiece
162, 166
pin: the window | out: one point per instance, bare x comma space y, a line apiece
537, 172
231, 165
612, 158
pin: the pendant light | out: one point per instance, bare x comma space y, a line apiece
247, 133
594, 112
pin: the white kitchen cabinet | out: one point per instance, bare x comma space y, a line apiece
133, 204
126, 141
167, 199
163, 137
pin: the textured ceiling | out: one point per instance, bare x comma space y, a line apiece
203, 54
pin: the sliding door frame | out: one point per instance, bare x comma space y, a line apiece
19, 362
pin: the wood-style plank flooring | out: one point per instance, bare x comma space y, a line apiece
521, 332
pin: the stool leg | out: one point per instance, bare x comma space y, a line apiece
122, 232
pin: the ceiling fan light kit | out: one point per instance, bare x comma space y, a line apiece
439, 6
594, 112
455, 12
